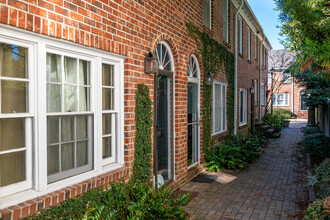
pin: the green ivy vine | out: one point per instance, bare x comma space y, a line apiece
215, 58
143, 145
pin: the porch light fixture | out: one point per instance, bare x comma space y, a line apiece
150, 63
208, 78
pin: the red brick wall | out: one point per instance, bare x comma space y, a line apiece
133, 28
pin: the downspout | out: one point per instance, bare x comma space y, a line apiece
235, 72
260, 79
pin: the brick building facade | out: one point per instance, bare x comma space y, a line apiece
286, 89
73, 67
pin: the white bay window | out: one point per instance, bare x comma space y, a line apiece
61, 114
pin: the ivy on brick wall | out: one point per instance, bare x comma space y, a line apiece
215, 59
143, 146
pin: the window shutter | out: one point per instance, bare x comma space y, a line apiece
286, 98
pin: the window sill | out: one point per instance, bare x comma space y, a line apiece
249, 61
240, 54
243, 125
219, 132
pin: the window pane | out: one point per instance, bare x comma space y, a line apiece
54, 68
12, 168
14, 96
67, 156
70, 98
54, 92
13, 61
106, 147
107, 98
84, 97
12, 133
82, 153
106, 118
82, 127
84, 76
107, 75
223, 107
52, 130
70, 70
53, 160
67, 128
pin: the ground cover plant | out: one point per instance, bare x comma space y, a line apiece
235, 152
321, 179
316, 144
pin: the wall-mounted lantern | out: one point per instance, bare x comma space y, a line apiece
150, 63
208, 78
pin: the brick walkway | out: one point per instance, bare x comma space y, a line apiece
271, 188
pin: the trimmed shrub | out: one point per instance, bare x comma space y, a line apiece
317, 145
311, 130
283, 113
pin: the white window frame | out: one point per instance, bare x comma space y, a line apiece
256, 90
29, 117
301, 101
223, 113
225, 20
240, 35
36, 184
243, 121
249, 43
286, 99
262, 98
207, 13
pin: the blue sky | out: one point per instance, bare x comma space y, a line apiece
268, 18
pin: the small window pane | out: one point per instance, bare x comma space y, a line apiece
67, 156
107, 147
84, 76
67, 128
70, 70
108, 99
84, 96
54, 92
52, 130
12, 133
13, 61
54, 68
53, 160
106, 118
70, 98
12, 168
107, 75
82, 153
14, 96
82, 127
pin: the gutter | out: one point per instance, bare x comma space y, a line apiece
260, 79
235, 71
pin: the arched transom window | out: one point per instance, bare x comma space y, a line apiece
164, 57
193, 68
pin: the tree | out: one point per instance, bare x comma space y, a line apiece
306, 28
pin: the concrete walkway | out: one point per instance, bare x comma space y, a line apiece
271, 188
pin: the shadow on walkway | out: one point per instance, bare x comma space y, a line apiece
271, 188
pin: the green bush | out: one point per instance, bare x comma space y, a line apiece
315, 211
283, 113
234, 152
121, 201
273, 120
321, 179
311, 130
317, 145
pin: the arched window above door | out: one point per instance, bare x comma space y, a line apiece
193, 68
164, 56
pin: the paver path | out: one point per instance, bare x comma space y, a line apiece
271, 188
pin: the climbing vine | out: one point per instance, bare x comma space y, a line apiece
215, 58
143, 122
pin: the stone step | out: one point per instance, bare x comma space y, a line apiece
259, 124
269, 132
277, 135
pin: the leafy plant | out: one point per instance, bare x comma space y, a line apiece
315, 211
234, 152
321, 179
283, 113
